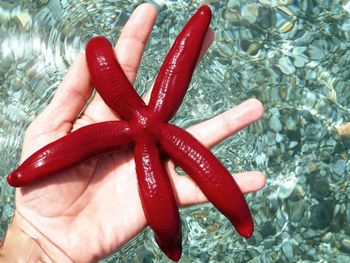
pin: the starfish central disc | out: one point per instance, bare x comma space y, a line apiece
144, 127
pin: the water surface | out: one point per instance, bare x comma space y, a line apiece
292, 55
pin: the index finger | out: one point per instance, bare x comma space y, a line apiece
133, 39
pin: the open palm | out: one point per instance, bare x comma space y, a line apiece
94, 207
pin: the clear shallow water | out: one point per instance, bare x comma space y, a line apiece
292, 55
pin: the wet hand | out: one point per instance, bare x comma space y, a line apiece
96, 205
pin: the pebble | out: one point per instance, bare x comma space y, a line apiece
286, 65
233, 3
345, 245
159, 4
312, 252
309, 99
261, 159
285, 19
287, 187
250, 12
299, 57
348, 213
273, 203
287, 250
321, 215
204, 257
327, 237
232, 16
267, 17
8, 210
340, 257
268, 244
315, 132
312, 167
339, 167
292, 144
212, 228
319, 187
315, 52
344, 130
267, 229
249, 47
297, 210
275, 123
279, 137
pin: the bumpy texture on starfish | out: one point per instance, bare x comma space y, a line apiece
145, 128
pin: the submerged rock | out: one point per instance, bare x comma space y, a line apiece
321, 215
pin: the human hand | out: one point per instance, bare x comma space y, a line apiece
95, 205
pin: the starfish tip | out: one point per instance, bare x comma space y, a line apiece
205, 10
12, 180
174, 254
96, 42
246, 230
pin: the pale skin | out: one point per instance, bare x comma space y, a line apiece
91, 210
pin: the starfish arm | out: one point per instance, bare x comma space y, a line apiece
209, 174
176, 72
109, 79
158, 201
78, 146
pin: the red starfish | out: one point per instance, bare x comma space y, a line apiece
146, 129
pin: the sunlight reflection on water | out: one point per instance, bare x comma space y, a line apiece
293, 55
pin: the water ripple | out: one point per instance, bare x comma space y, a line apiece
292, 55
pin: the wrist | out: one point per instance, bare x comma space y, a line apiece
24, 243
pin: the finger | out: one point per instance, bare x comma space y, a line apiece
129, 50
208, 40
133, 39
69, 99
215, 130
189, 193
